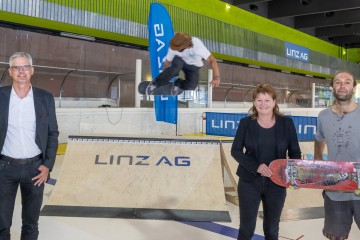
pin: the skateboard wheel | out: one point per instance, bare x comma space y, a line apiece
357, 165
291, 187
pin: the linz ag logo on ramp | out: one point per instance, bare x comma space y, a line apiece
140, 160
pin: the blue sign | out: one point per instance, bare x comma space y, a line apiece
296, 52
225, 124
160, 33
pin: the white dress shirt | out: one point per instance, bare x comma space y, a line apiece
20, 136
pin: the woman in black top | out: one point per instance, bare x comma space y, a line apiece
265, 135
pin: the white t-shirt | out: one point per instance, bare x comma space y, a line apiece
193, 55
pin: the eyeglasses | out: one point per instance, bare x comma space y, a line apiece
21, 68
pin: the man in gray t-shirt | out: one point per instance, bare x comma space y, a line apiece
339, 129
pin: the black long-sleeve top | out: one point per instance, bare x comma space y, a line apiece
287, 145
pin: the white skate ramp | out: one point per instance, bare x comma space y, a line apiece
125, 177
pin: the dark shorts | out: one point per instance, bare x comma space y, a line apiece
339, 218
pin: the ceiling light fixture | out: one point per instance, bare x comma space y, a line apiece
253, 7
253, 66
305, 2
329, 14
77, 36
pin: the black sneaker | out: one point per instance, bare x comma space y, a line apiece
176, 90
150, 88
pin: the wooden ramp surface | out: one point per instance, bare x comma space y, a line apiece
123, 177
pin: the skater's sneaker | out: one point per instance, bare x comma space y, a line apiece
176, 90
150, 88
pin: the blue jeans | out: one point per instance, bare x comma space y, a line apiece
272, 196
192, 76
11, 177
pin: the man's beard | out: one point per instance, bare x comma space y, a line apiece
343, 98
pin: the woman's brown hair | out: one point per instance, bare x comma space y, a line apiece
264, 88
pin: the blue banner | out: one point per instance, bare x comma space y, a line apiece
225, 124
166, 109
160, 33
296, 52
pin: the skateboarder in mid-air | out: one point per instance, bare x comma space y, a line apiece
186, 54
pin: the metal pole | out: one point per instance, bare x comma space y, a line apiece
210, 77
313, 95
119, 91
137, 81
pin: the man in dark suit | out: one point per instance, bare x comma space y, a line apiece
28, 145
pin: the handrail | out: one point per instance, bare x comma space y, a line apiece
291, 93
228, 91
62, 85
70, 71
112, 81
233, 86
3, 75
250, 88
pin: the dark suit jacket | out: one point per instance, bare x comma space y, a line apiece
46, 125
246, 137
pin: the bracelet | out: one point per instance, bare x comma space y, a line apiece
216, 76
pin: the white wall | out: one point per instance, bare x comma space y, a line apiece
141, 121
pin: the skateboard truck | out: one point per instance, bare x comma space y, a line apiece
292, 173
357, 178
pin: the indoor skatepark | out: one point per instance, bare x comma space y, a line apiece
102, 187
302, 216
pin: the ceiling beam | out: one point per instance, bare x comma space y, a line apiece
323, 20
348, 29
343, 40
353, 45
240, 2
291, 8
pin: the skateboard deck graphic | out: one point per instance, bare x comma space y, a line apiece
329, 175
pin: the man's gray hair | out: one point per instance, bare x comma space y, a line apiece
20, 54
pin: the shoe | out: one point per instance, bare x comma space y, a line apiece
150, 88
176, 90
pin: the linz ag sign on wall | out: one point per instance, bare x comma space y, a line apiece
296, 52
225, 124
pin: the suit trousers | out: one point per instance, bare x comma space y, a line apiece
13, 175
192, 74
272, 196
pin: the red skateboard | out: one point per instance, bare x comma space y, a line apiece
329, 175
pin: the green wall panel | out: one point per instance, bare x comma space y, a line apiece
136, 10
203, 18
132, 10
236, 16
48, 24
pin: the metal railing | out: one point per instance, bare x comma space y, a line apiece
67, 72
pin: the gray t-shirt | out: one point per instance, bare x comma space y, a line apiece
342, 135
